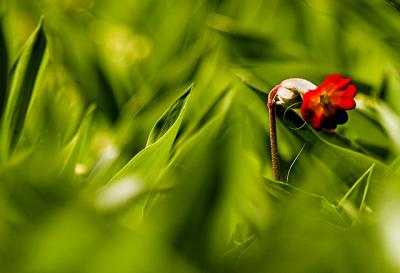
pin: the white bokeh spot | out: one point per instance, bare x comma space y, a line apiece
119, 192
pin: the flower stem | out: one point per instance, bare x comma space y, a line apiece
272, 134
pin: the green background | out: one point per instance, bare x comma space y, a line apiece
134, 137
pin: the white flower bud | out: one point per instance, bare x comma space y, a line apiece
290, 89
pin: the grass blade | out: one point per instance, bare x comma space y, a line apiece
148, 163
23, 80
3, 66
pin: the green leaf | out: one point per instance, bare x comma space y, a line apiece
29, 66
148, 163
259, 86
395, 4
183, 182
384, 116
395, 166
249, 45
391, 123
282, 192
3, 66
354, 201
74, 148
168, 119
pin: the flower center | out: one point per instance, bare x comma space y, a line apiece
324, 99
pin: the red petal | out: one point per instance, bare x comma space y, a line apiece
317, 120
344, 99
336, 80
312, 114
312, 96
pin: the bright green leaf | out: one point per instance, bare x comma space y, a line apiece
30, 64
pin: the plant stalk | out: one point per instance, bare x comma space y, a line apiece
272, 134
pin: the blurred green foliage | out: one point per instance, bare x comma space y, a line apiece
111, 160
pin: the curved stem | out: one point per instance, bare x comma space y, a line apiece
272, 134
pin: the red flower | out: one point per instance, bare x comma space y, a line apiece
325, 107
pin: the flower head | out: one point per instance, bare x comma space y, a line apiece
325, 107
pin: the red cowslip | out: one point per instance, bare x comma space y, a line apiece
325, 107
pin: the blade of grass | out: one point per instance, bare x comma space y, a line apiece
75, 146
3, 66
148, 163
353, 191
29, 66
